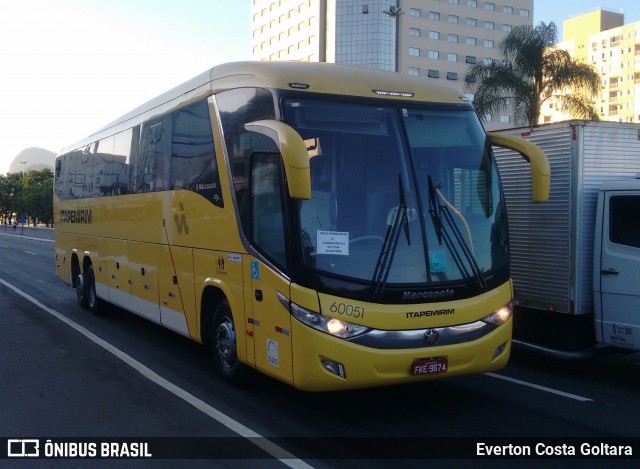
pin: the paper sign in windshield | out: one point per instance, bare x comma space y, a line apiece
333, 242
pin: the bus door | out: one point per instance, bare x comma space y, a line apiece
271, 321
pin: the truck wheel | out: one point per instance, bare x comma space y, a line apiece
225, 349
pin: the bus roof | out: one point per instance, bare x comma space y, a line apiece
312, 77
329, 78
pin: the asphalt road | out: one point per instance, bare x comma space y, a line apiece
66, 373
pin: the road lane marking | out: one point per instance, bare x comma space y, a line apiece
541, 388
44, 240
262, 442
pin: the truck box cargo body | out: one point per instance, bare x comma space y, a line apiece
552, 244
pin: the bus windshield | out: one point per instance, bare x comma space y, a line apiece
399, 195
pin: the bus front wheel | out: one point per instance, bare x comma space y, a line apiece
224, 345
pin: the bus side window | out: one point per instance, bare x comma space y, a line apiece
100, 169
193, 164
133, 161
238, 107
70, 174
154, 151
59, 178
119, 179
267, 215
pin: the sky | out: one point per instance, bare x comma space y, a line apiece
559, 10
69, 67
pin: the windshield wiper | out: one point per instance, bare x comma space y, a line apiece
388, 250
442, 212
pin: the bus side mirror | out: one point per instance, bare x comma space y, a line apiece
294, 155
540, 169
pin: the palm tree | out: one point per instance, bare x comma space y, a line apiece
532, 72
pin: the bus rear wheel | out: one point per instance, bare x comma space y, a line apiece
79, 283
224, 345
93, 302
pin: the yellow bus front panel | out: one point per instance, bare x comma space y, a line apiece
366, 367
401, 343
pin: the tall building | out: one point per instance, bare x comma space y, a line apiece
342, 31
601, 39
434, 39
289, 30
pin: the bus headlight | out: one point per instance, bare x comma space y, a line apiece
500, 315
332, 326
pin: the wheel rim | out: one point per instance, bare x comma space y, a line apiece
226, 343
91, 291
80, 285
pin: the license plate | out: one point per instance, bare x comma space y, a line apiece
430, 366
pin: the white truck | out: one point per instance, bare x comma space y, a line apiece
575, 260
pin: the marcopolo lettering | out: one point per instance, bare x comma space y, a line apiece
427, 295
76, 216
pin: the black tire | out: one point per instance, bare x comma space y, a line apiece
224, 346
80, 284
94, 304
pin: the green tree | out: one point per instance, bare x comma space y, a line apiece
533, 70
36, 197
10, 188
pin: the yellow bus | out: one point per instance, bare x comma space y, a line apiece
332, 227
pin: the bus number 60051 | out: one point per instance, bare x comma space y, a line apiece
347, 310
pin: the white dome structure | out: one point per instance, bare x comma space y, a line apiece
32, 159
